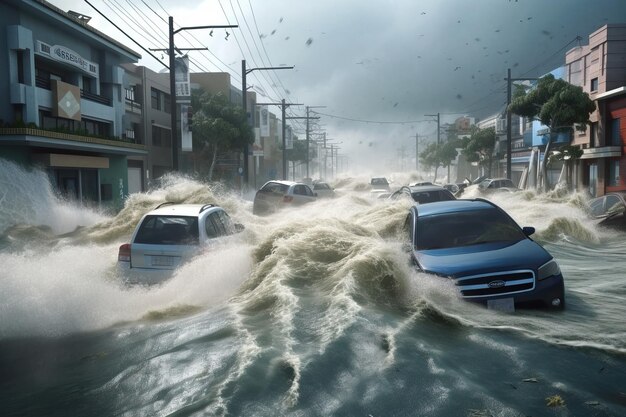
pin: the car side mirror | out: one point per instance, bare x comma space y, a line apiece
528, 230
239, 227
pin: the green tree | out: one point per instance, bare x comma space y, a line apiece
447, 153
479, 148
429, 158
439, 155
559, 105
218, 126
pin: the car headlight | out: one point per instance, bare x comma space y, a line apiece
548, 269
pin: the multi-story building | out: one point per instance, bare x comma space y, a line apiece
62, 103
148, 121
600, 69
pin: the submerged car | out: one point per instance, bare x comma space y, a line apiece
491, 259
490, 185
275, 195
610, 209
323, 190
423, 194
168, 236
379, 183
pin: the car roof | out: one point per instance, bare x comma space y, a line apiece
182, 209
418, 188
453, 206
283, 182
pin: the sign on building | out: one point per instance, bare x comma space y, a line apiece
183, 83
289, 138
257, 147
66, 100
186, 139
264, 123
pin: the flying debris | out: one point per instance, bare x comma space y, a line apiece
529, 18
211, 33
359, 63
262, 35
287, 91
309, 42
227, 35
423, 13
459, 97
497, 30
458, 21
457, 68
545, 32
419, 56
477, 39
274, 31
287, 38
516, 64
395, 104
280, 20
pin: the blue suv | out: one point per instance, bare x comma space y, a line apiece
491, 259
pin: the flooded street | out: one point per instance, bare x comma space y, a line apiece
314, 311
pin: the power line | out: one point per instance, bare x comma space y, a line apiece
403, 122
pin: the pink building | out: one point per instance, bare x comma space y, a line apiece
600, 69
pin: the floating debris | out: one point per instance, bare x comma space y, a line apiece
555, 401
592, 403
530, 380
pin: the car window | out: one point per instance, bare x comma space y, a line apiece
168, 230
308, 191
596, 206
507, 183
614, 204
300, 189
217, 222
321, 187
274, 187
451, 230
211, 230
227, 222
424, 197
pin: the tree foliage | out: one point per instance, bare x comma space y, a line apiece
557, 104
479, 147
218, 126
438, 155
298, 153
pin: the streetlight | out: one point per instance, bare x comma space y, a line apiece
244, 102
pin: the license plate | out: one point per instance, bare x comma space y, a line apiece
162, 260
506, 305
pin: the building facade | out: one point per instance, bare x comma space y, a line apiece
600, 69
62, 106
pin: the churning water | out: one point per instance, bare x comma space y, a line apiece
310, 312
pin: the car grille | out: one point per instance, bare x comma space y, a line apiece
498, 283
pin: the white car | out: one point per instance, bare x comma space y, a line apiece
323, 190
168, 236
279, 194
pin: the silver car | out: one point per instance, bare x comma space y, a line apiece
275, 195
168, 236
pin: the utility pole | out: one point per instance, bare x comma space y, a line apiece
171, 52
438, 116
509, 133
307, 117
308, 108
417, 145
283, 107
244, 103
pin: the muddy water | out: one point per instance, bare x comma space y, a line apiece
305, 313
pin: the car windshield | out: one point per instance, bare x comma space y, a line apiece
451, 230
168, 230
379, 181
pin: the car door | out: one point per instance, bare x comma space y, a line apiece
302, 194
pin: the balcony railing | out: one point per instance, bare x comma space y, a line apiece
123, 142
43, 82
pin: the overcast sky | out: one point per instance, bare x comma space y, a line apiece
388, 61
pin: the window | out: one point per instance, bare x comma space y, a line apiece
20, 66
130, 93
614, 172
593, 135
594, 84
156, 98
219, 226
166, 103
615, 138
211, 231
161, 136
89, 85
